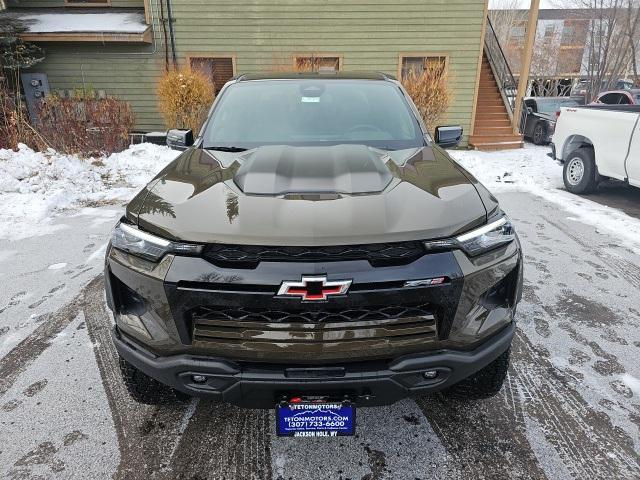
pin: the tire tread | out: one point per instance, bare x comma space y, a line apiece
484, 384
590, 179
146, 390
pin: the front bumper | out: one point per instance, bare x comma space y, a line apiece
371, 383
252, 359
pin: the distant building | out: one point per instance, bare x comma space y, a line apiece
561, 53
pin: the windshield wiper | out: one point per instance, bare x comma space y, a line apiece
221, 148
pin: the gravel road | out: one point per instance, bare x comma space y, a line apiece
570, 408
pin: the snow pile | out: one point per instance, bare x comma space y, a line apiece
35, 185
527, 169
531, 170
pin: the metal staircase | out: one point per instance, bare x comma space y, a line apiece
496, 96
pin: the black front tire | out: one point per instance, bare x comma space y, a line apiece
144, 389
483, 384
579, 173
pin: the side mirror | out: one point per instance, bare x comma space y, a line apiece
449, 136
529, 110
179, 139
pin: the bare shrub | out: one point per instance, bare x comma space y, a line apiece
9, 137
184, 98
430, 89
86, 125
14, 124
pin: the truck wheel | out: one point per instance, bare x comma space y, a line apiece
539, 134
485, 383
579, 172
144, 389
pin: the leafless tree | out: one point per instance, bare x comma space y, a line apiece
612, 41
505, 16
545, 64
632, 31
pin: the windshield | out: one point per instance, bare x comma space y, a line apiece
313, 113
552, 106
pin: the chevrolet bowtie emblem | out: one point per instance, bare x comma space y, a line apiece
314, 288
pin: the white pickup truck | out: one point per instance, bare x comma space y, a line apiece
595, 143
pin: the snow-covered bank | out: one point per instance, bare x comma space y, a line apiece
35, 186
527, 169
531, 170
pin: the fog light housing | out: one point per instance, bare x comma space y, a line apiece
430, 374
198, 378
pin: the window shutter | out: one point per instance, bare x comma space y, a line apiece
318, 63
87, 2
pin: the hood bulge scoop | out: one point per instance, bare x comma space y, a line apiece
281, 170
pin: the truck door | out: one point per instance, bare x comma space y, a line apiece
632, 162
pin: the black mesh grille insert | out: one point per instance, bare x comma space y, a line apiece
249, 256
355, 314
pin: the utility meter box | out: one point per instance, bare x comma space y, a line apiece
36, 87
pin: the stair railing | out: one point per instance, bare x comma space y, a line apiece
500, 68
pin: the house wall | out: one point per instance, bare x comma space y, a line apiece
261, 34
368, 34
61, 3
128, 72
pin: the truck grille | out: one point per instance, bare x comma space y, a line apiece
249, 256
335, 333
242, 314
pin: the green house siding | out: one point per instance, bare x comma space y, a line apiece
261, 34
129, 72
61, 3
367, 34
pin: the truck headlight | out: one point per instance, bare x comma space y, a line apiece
142, 244
481, 240
493, 235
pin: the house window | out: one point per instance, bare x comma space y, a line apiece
219, 69
317, 63
568, 35
418, 64
87, 3
549, 31
517, 33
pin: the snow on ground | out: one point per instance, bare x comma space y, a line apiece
35, 186
531, 170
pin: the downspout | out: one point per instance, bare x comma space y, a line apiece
171, 34
163, 22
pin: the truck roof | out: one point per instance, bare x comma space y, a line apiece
314, 75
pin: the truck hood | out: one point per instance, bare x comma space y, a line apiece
344, 194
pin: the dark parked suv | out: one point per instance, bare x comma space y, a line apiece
316, 250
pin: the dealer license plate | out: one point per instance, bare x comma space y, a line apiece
315, 419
